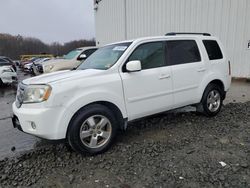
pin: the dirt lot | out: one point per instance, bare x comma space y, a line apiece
176, 149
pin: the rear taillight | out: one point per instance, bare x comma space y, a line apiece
229, 68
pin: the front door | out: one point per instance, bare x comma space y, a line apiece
148, 91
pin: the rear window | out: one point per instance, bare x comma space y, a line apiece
213, 49
182, 52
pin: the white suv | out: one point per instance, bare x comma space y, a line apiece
122, 82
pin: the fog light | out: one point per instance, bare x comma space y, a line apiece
33, 125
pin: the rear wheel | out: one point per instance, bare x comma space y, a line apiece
212, 100
92, 130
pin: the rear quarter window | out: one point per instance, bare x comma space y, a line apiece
213, 49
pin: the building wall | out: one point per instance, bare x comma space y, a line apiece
227, 19
110, 22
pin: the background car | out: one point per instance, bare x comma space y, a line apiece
13, 64
22, 63
37, 66
70, 61
28, 67
7, 74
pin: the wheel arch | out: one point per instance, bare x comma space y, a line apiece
114, 108
217, 82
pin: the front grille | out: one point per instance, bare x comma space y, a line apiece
20, 95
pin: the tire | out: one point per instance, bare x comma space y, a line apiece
98, 126
212, 100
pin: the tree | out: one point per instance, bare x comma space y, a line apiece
14, 46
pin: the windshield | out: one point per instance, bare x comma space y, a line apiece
104, 57
72, 54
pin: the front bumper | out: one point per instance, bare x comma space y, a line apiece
46, 121
27, 69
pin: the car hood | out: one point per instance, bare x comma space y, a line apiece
54, 61
61, 75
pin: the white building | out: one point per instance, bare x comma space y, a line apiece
229, 20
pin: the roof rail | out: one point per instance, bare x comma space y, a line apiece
174, 33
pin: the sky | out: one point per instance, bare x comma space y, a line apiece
48, 20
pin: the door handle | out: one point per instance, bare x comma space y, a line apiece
201, 69
164, 76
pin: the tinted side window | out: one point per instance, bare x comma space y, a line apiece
151, 55
182, 51
213, 49
89, 52
4, 62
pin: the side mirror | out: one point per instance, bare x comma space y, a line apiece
82, 57
133, 66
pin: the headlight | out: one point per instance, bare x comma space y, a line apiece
49, 67
36, 93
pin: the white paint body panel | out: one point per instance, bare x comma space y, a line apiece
147, 93
118, 20
136, 94
7, 77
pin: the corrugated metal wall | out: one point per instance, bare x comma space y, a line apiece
110, 22
228, 19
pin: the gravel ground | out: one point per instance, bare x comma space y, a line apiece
169, 150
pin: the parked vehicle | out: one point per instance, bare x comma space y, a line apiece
122, 82
70, 61
7, 74
28, 67
43, 55
12, 63
22, 63
37, 67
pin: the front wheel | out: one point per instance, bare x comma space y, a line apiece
92, 130
212, 100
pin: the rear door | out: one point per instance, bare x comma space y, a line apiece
148, 91
188, 69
